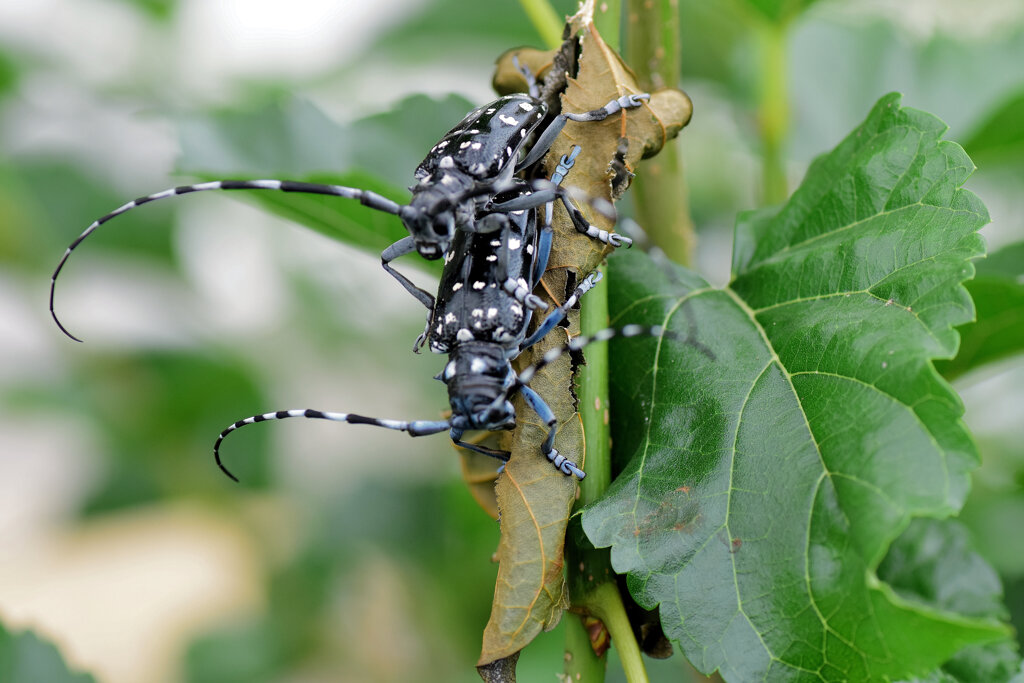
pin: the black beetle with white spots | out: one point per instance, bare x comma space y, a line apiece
470, 206
458, 183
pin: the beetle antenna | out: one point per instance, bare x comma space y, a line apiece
414, 428
365, 197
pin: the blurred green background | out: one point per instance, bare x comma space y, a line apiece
347, 553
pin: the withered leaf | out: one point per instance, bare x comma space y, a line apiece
533, 498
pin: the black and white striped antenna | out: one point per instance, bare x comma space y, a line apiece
367, 198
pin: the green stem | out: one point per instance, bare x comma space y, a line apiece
773, 111
605, 603
546, 20
592, 388
581, 663
608, 21
661, 198
587, 566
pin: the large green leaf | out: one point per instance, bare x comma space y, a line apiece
797, 428
998, 293
26, 658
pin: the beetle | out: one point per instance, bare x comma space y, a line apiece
495, 414
480, 318
458, 185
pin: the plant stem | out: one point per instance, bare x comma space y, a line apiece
608, 20
773, 110
584, 563
661, 198
581, 663
605, 603
546, 20
592, 388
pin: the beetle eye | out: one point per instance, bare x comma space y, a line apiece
445, 226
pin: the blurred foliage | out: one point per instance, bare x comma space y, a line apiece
160, 10
998, 293
396, 551
25, 658
999, 139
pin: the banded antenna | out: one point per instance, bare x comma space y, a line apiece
426, 427
365, 197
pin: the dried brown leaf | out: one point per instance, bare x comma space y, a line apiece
534, 499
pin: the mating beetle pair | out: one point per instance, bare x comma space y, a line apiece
470, 207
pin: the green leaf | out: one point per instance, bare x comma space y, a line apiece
26, 658
961, 77
796, 429
933, 563
290, 140
294, 140
1000, 138
998, 293
283, 139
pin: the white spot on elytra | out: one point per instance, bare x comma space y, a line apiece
476, 145
478, 312
513, 243
465, 144
507, 120
450, 318
446, 162
526, 106
441, 145
457, 286
529, 248
491, 312
463, 335
492, 257
479, 285
495, 243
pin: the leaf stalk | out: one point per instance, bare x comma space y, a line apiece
545, 20
661, 198
773, 110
